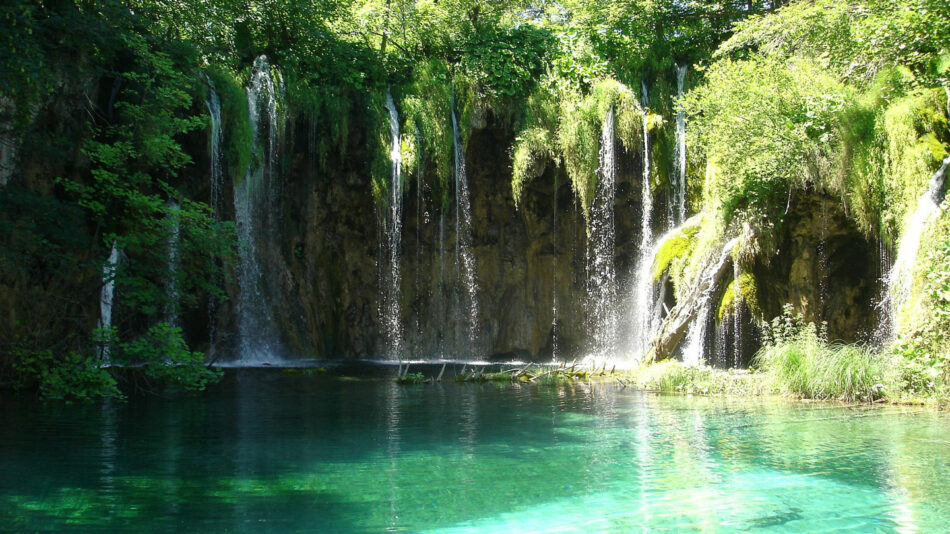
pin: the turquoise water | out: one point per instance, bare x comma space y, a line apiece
268, 451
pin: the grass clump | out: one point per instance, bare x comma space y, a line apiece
799, 360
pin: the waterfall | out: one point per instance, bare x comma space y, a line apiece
885, 330
464, 259
679, 177
441, 287
106, 300
647, 305
213, 103
823, 267
695, 349
646, 196
171, 268
393, 234
643, 308
554, 331
722, 343
601, 278
418, 346
736, 314
900, 279
256, 227
9, 141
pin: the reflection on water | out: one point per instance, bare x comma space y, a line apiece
271, 451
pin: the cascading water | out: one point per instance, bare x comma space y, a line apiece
679, 177
823, 267
464, 259
255, 225
213, 103
646, 196
441, 286
554, 331
171, 269
643, 308
601, 278
392, 240
721, 353
9, 140
883, 304
695, 349
900, 279
106, 301
736, 314
422, 218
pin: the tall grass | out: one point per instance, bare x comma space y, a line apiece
806, 364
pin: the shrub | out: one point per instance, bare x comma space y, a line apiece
166, 358
72, 378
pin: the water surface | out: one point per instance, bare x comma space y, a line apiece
271, 451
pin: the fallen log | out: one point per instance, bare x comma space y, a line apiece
674, 326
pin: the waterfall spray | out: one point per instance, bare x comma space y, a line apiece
213, 103
255, 215
736, 314
695, 349
900, 279
643, 308
464, 259
106, 301
554, 331
679, 181
171, 270
393, 235
601, 278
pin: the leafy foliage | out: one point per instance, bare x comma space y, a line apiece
167, 359
72, 378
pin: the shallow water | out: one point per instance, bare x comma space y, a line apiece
273, 451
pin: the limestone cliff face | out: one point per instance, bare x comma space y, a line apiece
322, 268
826, 269
326, 265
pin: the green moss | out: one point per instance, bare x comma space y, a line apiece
236, 125
578, 136
426, 105
328, 109
676, 245
537, 141
532, 148
378, 148
743, 290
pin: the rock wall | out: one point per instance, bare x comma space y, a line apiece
826, 268
326, 265
322, 269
